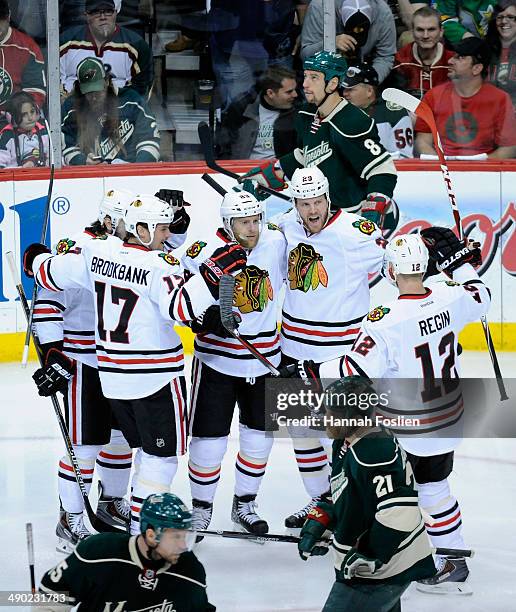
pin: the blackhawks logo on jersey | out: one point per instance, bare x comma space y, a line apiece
169, 259
101, 237
272, 226
63, 246
194, 249
365, 226
378, 313
305, 268
451, 283
253, 290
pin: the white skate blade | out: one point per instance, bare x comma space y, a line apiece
255, 538
446, 588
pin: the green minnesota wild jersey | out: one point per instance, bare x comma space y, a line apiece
376, 510
461, 16
105, 573
345, 145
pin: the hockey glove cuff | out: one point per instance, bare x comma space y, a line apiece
355, 563
375, 207
30, 254
224, 260
249, 186
55, 375
307, 371
316, 532
180, 222
271, 176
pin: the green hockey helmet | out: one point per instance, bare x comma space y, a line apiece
164, 511
330, 64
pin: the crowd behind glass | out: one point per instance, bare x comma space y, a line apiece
460, 55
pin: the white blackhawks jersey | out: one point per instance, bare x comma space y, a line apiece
416, 337
327, 290
137, 294
257, 291
68, 316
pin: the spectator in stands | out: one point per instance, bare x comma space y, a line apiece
501, 37
24, 141
247, 37
393, 122
101, 125
365, 31
260, 124
474, 118
127, 54
22, 66
464, 18
423, 64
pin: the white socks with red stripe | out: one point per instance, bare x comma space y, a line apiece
69, 492
251, 461
155, 475
312, 463
204, 460
436, 499
114, 465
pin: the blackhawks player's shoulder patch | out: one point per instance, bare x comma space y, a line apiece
194, 249
253, 290
101, 237
451, 283
305, 268
378, 313
365, 226
170, 259
64, 245
273, 226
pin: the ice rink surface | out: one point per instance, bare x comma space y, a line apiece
244, 576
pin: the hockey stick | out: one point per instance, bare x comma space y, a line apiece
30, 556
422, 110
97, 523
205, 137
226, 293
290, 539
25, 356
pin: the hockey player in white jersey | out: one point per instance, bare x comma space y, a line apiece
329, 258
138, 291
224, 372
416, 337
65, 324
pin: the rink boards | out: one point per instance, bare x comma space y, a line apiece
486, 193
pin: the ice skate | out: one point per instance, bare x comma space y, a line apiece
450, 579
70, 531
202, 512
244, 516
297, 520
115, 511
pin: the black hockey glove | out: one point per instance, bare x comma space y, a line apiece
447, 250
55, 375
209, 322
180, 222
224, 260
174, 197
307, 370
30, 254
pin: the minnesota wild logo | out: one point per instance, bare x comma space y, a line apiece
169, 259
305, 268
253, 290
365, 226
194, 249
378, 313
63, 246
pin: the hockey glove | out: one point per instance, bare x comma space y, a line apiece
174, 197
249, 186
316, 532
447, 250
267, 176
355, 562
209, 322
30, 254
375, 207
180, 222
224, 260
307, 370
55, 375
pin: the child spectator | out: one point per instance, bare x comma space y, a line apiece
24, 141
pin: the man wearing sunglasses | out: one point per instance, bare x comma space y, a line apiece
127, 54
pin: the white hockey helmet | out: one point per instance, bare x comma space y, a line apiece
309, 183
148, 209
238, 204
114, 205
405, 254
